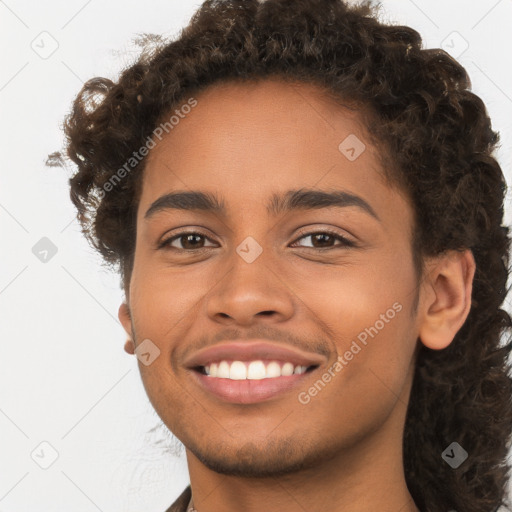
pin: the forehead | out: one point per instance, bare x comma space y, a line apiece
246, 142
269, 118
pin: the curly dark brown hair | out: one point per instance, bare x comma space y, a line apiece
436, 143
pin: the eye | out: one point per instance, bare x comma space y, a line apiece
193, 240
189, 241
324, 238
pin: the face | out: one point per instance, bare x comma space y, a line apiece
327, 275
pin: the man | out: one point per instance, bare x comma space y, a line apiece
306, 214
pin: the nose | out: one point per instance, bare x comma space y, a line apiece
249, 292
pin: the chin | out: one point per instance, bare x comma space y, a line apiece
276, 458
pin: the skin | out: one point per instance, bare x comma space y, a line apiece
343, 449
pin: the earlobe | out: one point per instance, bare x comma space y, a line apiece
449, 286
129, 346
125, 319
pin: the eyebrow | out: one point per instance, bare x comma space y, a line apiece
293, 200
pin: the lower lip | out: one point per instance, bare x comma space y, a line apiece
248, 391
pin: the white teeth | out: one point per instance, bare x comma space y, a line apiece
255, 370
273, 370
237, 371
223, 370
287, 369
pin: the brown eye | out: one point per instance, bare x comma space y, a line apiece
325, 240
188, 241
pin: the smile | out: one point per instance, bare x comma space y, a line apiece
247, 372
253, 370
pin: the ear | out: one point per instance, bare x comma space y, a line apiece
126, 321
446, 298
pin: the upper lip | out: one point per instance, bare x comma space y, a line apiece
252, 351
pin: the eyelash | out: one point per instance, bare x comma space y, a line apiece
345, 242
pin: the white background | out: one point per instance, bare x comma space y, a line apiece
64, 377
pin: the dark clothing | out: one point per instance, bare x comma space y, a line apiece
181, 504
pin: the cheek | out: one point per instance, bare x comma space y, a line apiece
162, 306
365, 309
353, 295
164, 299
373, 337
